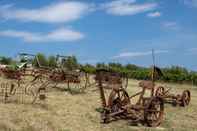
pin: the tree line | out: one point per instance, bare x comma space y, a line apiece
69, 62
173, 74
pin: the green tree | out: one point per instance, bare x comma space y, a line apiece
40, 60
71, 63
6, 60
101, 65
131, 67
52, 61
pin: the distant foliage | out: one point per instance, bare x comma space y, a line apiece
52, 61
88, 68
5, 60
40, 60
174, 74
71, 63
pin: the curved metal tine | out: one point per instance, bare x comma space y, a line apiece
168, 90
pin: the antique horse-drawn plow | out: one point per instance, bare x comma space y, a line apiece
164, 92
147, 110
75, 79
21, 83
16, 86
179, 99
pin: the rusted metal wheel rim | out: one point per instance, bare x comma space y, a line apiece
186, 98
154, 112
160, 91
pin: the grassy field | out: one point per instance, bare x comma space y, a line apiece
65, 112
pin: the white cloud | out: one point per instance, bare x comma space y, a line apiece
53, 13
127, 7
59, 35
137, 54
171, 25
154, 14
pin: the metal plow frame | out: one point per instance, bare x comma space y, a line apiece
147, 110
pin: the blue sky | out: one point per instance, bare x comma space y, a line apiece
102, 30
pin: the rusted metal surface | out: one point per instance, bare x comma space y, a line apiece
110, 78
22, 84
179, 99
13, 91
164, 93
11, 74
59, 75
147, 110
73, 79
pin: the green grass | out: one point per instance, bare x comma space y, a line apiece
63, 111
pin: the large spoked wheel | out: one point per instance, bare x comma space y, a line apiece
118, 99
186, 98
154, 112
160, 91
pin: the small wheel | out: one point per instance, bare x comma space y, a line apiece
160, 91
185, 99
153, 115
118, 99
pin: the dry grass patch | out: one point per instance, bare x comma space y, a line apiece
63, 111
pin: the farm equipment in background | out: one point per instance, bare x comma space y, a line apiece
21, 83
164, 92
76, 79
14, 71
147, 110
179, 99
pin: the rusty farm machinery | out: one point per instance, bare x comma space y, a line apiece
18, 85
75, 79
164, 92
179, 99
147, 110
110, 78
30, 83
